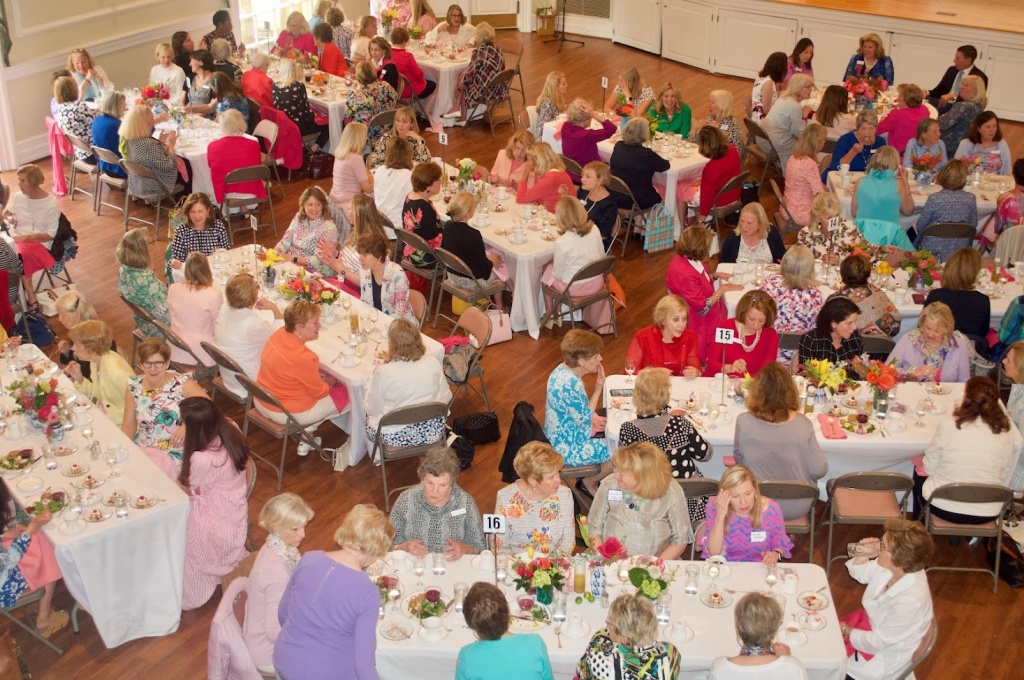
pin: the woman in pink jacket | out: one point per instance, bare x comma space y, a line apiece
901, 123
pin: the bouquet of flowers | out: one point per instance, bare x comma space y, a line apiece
610, 551
415, 32
387, 19
154, 93
926, 162
650, 576
466, 168
881, 376
824, 373
541, 572
269, 257
307, 287
623, 107
38, 398
923, 266
865, 86
303, 60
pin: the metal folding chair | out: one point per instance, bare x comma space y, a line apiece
562, 302
475, 325
226, 365
243, 206
499, 83
405, 415
868, 498
791, 490
403, 238
448, 261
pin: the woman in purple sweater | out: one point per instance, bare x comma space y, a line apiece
328, 613
579, 142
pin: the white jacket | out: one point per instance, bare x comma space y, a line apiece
970, 454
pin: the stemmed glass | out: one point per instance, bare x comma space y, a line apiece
771, 577
501, 573
630, 368
374, 316
623, 574
418, 568
111, 460
920, 409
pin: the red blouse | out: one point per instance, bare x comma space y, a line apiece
757, 357
649, 349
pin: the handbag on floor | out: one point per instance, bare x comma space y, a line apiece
479, 428
501, 326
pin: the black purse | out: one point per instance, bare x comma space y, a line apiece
321, 165
478, 428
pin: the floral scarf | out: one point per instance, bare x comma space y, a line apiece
286, 552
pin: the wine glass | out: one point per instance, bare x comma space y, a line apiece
418, 568
3, 427
623, 574
374, 316
630, 368
346, 302
394, 593
111, 459
771, 577
921, 408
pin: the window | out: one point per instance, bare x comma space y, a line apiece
262, 20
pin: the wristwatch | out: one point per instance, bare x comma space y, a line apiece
295, 259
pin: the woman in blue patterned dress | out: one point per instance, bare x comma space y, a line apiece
796, 295
570, 419
368, 98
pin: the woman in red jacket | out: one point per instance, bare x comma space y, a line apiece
755, 343
331, 59
407, 66
668, 343
724, 164
543, 164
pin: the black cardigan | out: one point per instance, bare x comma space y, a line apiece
731, 246
602, 213
635, 165
465, 242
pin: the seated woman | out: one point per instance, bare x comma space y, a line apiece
720, 115
668, 343
241, 332
229, 96
168, 73
870, 61
393, 183
570, 418
453, 30
1013, 368
522, 656
256, 84
408, 377
193, 306
202, 232
926, 150
405, 127
328, 612
551, 181
833, 112
883, 636
156, 155
89, 77
671, 432
437, 515
407, 67
538, 507
630, 91
331, 59
803, 181
775, 440
467, 244
284, 517
578, 245
383, 284
756, 342
951, 204
231, 152
723, 165
295, 36
350, 175
342, 31
933, 351
579, 141
360, 47
551, 103
104, 130
883, 193
977, 445
213, 474
969, 105
670, 114
629, 640
91, 341
984, 146
73, 309
383, 65
688, 277
73, 115
856, 148
310, 227
342, 259
834, 336
799, 60
423, 16
738, 516
137, 283
971, 308
878, 315
200, 92
418, 213
767, 85
473, 87
151, 411
901, 123
290, 371
785, 121
221, 50
1010, 210
36, 215
820, 237
795, 291
753, 238
509, 163
636, 165
757, 617
650, 517
598, 201
289, 94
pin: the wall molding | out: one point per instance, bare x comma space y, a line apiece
23, 31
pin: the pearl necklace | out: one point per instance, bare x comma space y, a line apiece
743, 340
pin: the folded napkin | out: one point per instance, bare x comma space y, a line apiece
830, 427
918, 462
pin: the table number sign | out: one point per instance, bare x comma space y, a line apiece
494, 524
725, 336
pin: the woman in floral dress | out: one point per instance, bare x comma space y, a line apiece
485, 63
878, 315
310, 227
795, 293
137, 282
984, 146
1011, 205
538, 507
368, 98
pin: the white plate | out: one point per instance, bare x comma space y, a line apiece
519, 625
395, 630
103, 516
584, 631
792, 638
29, 484
939, 389
726, 599
811, 620
812, 601
82, 469
407, 610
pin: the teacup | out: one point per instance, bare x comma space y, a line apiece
791, 634
575, 625
73, 519
790, 584
502, 193
487, 560
432, 628
15, 430
896, 423
677, 630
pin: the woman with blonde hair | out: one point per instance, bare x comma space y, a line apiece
883, 193
90, 78
753, 238
651, 517
91, 341
193, 306
72, 309
539, 508
295, 36
796, 294
834, 112
168, 73
870, 61
824, 240
630, 90
329, 608
202, 232
738, 515
350, 176
578, 245
404, 127
137, 282
508, 165
474, 87
36, 212
785, 122
720, 114
550, 178
422, 16
803, 178
551, 101
758, 618
755, 341
670, 114
290, 97
343, 259
360, 47
629, 644
157, 155
598, 201
933, 351
668, 343
466, 243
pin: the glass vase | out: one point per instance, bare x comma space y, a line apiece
545, 594
879, 402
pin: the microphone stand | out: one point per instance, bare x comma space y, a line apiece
561, 39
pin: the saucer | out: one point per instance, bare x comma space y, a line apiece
475, 563
584, 630
63, 528
29, 484
674, 636
350, 361
426, 637
793, 639
811, 620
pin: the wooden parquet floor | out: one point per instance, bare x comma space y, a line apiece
977, 628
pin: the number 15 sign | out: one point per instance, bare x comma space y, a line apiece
725, 336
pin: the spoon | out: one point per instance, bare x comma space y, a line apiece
558, 634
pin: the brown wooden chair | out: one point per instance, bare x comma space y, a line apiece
405, 415
563, 302
571, 166
245, 206
449, 262
570, 475
226, 365
869, 498
791, 490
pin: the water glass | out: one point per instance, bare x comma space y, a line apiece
663, 608
440, 566
461, 588
558, 607
48, 456
121, 504
692, 576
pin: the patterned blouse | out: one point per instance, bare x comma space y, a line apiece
152, 154
547, 111
567, 417
743, 543
878, 315
302, 237
240, 105
420, 216
762, 252
546, 524
394, 291
142, 288
366, 101
343, 39
486, 62
798, 309
12, 581
606, 659
994, 159
157, 412
947, 205
416, 519
846, 237
1015, 405
1011, 211
420, 152
189, 240
814, 346
293, 101
954, 123
733, 132
757, 105
200, 94
915, 154
75, 118
646, 95
645, 526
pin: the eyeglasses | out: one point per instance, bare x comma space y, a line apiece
153, 364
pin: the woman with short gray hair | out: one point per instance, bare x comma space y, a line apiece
635, 164
758, 618
628, 646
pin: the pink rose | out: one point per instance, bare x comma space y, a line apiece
869, 93
611, 549
859, 88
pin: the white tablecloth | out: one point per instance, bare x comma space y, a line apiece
445, 73
333, 101
128, 573
891, 452
714, 633
194, 137
687, 168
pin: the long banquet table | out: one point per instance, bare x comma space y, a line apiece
713, 630
127, 573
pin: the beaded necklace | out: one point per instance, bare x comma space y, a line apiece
755, 650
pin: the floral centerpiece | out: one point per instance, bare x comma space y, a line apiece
541, 575
882, 378
303, 60
269, 257
154, 93
39, 400
925, 162
824, 373
609, 551
466, 168
415, 32
922, 267
864, 88
650, 576
387, 20
308, 287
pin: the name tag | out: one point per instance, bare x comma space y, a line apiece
758, 536
460, 511
615, 495
724, 126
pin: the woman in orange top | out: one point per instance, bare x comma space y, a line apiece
331, 59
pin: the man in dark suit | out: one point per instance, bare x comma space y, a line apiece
947, 91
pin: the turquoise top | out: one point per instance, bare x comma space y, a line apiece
878, 197
882, 233
523, 657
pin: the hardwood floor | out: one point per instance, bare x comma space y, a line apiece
976, 626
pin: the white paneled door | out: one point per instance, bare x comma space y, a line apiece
637, 23
483, 7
